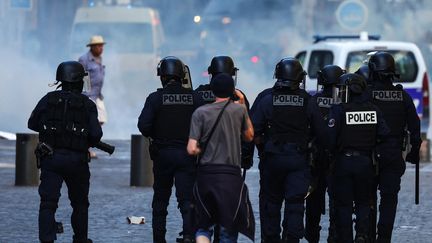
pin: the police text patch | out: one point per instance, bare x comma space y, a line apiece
207, 95
387, 95
287, 100
361, 117
325, 102
177, 99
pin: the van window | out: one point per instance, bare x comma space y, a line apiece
121, 37
318, 60
301, 57
406, 64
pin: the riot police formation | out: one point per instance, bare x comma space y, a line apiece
67, 124
165, 119
322, 160
400, 114
285, 120
355, 128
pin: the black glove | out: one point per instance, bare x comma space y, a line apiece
413, 157
247, 155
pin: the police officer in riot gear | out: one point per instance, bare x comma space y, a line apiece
400, 114
166, 118
355, 127
283, 120
328, 77
67, 124
364, 71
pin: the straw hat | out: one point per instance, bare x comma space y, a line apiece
96, 40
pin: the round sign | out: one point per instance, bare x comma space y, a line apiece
352, 14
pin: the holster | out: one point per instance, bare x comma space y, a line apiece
42, 150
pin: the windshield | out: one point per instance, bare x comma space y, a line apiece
121, 37
406, 64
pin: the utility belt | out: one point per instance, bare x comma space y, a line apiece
354, 153
156, 145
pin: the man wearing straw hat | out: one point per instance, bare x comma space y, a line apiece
92, 62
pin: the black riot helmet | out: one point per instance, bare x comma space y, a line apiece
71, 75
329, 75
289, 69
350, 84
289, 73
71, 72
169, 68
364, 71
382, 62
222, 64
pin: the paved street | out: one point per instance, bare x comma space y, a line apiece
112, 200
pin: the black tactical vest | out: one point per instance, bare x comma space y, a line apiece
390, 101
324, 103
65, 123
289, 120
174, 115
358, 130
206, 93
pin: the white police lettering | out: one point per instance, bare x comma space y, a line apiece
207, 95
325, 102
361, 117
177, 99
387, 95
287, 100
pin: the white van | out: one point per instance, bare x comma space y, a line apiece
133, 35
349, 52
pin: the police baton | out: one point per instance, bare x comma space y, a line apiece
105, 147
417, 182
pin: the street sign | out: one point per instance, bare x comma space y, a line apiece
21, 4
352, 15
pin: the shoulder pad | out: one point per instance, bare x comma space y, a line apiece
399, 86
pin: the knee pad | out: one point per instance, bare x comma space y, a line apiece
186, 207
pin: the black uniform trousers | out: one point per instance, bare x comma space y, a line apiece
351, 182
72, 168
391, 168
284, 176
315, 205
172, 166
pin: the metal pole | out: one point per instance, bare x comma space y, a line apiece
141, 173
26, 172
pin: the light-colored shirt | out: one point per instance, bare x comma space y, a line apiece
96, 71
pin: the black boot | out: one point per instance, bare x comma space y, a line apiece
290, 239
83, 241
361, 239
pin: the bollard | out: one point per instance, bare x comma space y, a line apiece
26, 172
141, 173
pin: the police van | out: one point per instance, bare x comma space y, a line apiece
350, 52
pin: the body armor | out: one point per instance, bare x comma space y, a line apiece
65, 123
289, 121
